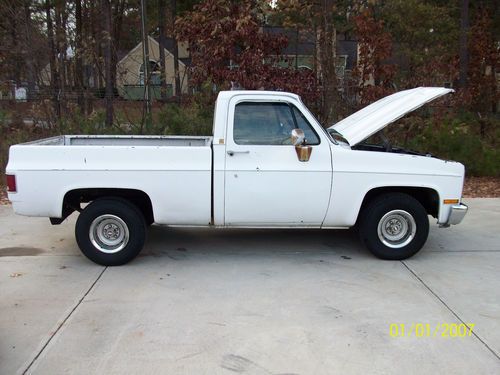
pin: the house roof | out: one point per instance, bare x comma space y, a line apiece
150, 40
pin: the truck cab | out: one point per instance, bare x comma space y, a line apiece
256, 164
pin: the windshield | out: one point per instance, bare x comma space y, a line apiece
328, 135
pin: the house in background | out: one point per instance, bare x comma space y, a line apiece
129, 83
130, 70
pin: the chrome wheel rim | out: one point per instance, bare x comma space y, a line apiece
396, 229
109, 233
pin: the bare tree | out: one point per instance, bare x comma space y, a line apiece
79, 56
61, 45
107, 49
161, 39
118, 11
146, 118
173, 7
29, 55
464, 53
326, 44
54, 76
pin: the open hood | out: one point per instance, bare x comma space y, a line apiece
369, 120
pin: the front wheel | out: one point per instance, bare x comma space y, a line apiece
394, 226
110, 231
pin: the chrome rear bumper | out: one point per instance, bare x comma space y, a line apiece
457, 214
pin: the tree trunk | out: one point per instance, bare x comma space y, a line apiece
161, 29
15, 48
177, 77
54, 83
79, 56
88, 64
326, 62
106, 42
464, 52
29, 55
118, 12
146, 120
97, 37
296, 47
61, 51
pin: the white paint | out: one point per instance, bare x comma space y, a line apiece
176, 178
369, 120
269, 185
266, 187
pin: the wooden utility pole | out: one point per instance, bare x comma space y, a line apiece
464, 50
145, 56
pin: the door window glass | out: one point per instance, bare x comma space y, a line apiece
269, 124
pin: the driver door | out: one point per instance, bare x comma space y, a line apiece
266, 184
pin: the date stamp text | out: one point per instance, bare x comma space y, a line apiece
445, 330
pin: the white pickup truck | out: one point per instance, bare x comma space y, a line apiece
269, 164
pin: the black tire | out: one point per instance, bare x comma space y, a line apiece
391, 212
149, 221
96, 222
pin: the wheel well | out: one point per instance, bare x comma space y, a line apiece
428, 198
74, 198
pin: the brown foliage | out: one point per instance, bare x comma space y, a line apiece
373, 74
481, 94
228, 47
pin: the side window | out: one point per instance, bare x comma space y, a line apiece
262, 123
268, 124
302, 123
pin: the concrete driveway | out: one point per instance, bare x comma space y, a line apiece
249, 301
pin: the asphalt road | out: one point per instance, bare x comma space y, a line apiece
250, 302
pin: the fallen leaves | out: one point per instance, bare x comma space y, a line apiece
3, 197
482, 187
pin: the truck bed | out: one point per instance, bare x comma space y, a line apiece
174, 171
123, 140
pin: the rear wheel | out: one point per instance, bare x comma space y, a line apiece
394, 226
110, 231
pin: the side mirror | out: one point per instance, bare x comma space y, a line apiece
298, 140
298, 137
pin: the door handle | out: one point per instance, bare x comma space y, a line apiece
231, 152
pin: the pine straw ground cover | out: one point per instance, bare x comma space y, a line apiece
475, 187
482, 187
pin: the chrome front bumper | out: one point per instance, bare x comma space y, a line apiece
457, 214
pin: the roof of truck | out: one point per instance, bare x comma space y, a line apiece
230, 93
